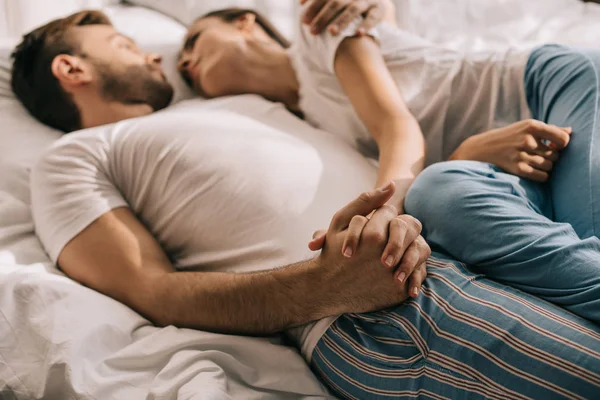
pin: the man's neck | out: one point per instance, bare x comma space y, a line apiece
269, 73
96, 111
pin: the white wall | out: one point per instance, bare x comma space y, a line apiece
21, 16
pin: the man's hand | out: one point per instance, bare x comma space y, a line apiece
338, 14
359, 246
527, 149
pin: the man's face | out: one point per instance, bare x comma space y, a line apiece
122, 71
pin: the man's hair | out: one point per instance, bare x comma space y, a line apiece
233, 13
33, 82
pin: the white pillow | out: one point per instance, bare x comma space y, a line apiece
186, 11
21, 16
283, 13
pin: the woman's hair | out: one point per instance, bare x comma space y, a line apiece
233, 13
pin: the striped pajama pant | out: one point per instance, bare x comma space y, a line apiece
534, 331
465, 337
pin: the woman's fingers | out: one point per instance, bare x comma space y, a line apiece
551, 135
524, 170
546, 152
312, 10
537, 162
343, 20
373, 17
327, 15
536, 147
404, 230
355, 230
416, 254
338, 14
362, 205
416, 280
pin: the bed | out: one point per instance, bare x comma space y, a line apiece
60, 340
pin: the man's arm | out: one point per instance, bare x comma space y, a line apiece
116, 255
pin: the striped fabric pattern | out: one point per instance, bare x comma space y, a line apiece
465, 337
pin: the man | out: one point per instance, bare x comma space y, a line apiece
231, 201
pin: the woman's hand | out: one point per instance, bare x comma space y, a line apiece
338, 14
527, 149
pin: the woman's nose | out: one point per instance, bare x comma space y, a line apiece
183, 64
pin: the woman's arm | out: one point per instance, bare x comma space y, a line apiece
367, 82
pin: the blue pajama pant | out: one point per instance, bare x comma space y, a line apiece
534, 330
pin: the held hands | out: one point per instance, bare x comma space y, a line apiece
338, 14
371, 259
527, 149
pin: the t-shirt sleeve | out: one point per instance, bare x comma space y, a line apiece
323, 48
70, 189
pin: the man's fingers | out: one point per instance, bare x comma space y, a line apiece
545, 132
312, 10
318, 240
326, 15
416, 280
363, 205
404, 230
355, 230
416, 254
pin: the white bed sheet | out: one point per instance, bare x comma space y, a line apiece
59, 340
472, 25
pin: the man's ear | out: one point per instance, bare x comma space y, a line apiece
71, 71
246, 22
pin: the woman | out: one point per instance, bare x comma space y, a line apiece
465, 336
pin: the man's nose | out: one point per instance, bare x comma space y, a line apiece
154, 59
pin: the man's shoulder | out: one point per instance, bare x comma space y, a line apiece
86, 147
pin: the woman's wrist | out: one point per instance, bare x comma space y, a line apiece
461, 153
402, 187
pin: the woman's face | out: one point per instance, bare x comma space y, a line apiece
214, 52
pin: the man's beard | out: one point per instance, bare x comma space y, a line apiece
136, 85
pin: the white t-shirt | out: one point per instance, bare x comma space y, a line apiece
219, 190
452, 95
